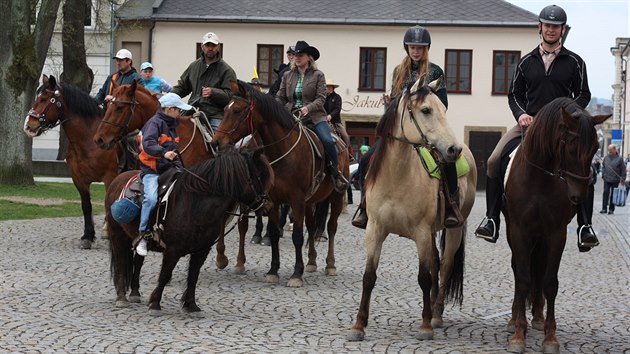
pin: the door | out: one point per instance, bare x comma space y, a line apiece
361, 133
481, 145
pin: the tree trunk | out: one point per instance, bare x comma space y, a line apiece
21, 62
75, 68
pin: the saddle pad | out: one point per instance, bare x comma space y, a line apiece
509, 166
461, 164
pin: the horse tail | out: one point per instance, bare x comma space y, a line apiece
121, 255
455, 283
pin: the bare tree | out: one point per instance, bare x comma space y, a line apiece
25, 33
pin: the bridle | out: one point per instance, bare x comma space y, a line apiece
124, 129
54, 101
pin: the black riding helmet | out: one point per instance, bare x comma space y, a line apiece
553, 14
416, 35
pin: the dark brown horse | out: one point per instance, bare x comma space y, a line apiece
300, 177
132, 106
550, 173
192, 221
79, 115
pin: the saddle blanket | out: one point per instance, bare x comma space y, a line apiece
432, 167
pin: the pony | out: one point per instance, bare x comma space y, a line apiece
79, 115
549, 175
300, 177
132, 106
402, 198
192, 221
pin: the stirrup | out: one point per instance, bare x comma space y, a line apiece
585, 247
495, 232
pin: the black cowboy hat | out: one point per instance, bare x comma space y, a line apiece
303, 47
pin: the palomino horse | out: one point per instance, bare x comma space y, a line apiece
550, 173
132, 106
300, 176
402, 198
192, 221
79, 115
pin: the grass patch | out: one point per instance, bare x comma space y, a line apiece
12, 210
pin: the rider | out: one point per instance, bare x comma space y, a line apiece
159, 142
208, 79
416, 65
303, 91
547, 72
333, 113
152, 82
125, 75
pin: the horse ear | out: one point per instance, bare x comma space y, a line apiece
600, 118
258, 152
435, 84
44, 79
234, 87
133, 86
52, 82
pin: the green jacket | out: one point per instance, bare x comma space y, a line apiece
218, 75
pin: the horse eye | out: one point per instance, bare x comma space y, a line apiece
426, 110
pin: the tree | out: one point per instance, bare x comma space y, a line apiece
25, 34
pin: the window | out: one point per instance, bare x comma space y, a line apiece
372, 69
90, 15
458, 70
269, 57
503, 65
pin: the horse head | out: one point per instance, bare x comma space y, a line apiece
131, 106
261, 178
238, 116
423, 121
47, 110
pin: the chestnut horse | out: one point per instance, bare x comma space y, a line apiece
300, 176
79, 115
192, 222
403, 198
550, 173
132, 106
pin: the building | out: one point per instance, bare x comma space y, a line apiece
620, 124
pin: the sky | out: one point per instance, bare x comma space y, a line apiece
595, 25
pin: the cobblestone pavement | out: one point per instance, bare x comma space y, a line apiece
57, 298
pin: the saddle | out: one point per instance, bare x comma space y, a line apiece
312, 137
134, 189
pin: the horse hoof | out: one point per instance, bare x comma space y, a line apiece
134, 299
551, 348
437, 323
355, 336
516, 348
122, 304
425, 334
256, 239
85, 244
310, 268
239, 269
332, 272
221, 262
272, 278
295, 283
266, 241
538, 325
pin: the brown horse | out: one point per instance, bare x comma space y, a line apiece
300, 178
192, 221
403, 198
79, 115
132, 106
550, 173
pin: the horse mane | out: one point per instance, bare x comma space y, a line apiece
545, 132
268, 107
385, 127
80, 102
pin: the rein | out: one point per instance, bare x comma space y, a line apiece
41, 116
124, 129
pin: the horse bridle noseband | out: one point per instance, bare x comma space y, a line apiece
41, 116
124, 129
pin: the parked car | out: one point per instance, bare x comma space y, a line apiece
354, 177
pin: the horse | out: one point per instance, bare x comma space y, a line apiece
299, 169
132, 106
549, 174
79, 114
402, 198
192, 221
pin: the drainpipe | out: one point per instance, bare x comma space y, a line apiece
112, 37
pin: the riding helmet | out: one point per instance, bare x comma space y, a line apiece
124, 211
553, 14
417, 35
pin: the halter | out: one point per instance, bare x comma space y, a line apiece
52, 102
124, 129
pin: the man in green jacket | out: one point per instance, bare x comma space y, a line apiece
208, 81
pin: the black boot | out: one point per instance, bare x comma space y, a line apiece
257, 237
340, 183
360, 218
489, 230
586, 238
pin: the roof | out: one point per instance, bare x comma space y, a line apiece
348, 12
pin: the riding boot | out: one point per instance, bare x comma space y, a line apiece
340, 182
360, 218
586, 238
489, 230
453, 217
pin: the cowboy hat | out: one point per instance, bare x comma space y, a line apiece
331, 83
303, 47
281, 67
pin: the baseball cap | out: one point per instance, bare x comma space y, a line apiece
210, 37
146, 65
123, 54
173, 100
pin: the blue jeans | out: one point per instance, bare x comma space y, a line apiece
150, 182
323, 132
215, 122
